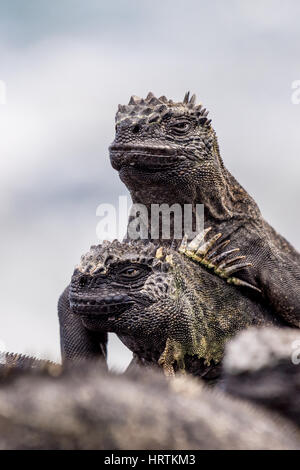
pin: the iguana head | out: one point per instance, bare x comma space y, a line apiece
157, 299
118, 287
115, 278
162, 143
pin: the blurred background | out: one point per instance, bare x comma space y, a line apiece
66, 65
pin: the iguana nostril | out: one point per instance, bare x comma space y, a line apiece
136, 129
82, 281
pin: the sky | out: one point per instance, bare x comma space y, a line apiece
66, 65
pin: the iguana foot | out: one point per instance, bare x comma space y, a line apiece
209, 254
172, 353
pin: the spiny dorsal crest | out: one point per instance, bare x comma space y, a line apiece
151, 110
211, 254
10, 362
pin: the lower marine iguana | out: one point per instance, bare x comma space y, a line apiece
168, 307
168, 153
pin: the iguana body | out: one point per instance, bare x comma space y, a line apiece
166, 307
167, 152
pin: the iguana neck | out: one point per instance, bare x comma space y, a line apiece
216, 206
224, 199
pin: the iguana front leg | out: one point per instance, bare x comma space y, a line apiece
273, 273
77, 342
277, 274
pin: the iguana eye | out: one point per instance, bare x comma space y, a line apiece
180, 127
131, 273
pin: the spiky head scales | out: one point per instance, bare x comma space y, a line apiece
100, 257
151, 109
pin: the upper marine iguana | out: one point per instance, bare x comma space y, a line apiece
167, 152
168, 306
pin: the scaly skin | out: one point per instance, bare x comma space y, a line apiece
167, 152
167, 307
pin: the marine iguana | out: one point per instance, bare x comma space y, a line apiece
85, 407
11, 362
168, 153
167, 306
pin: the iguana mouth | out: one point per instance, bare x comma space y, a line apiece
143, 158
92, 307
